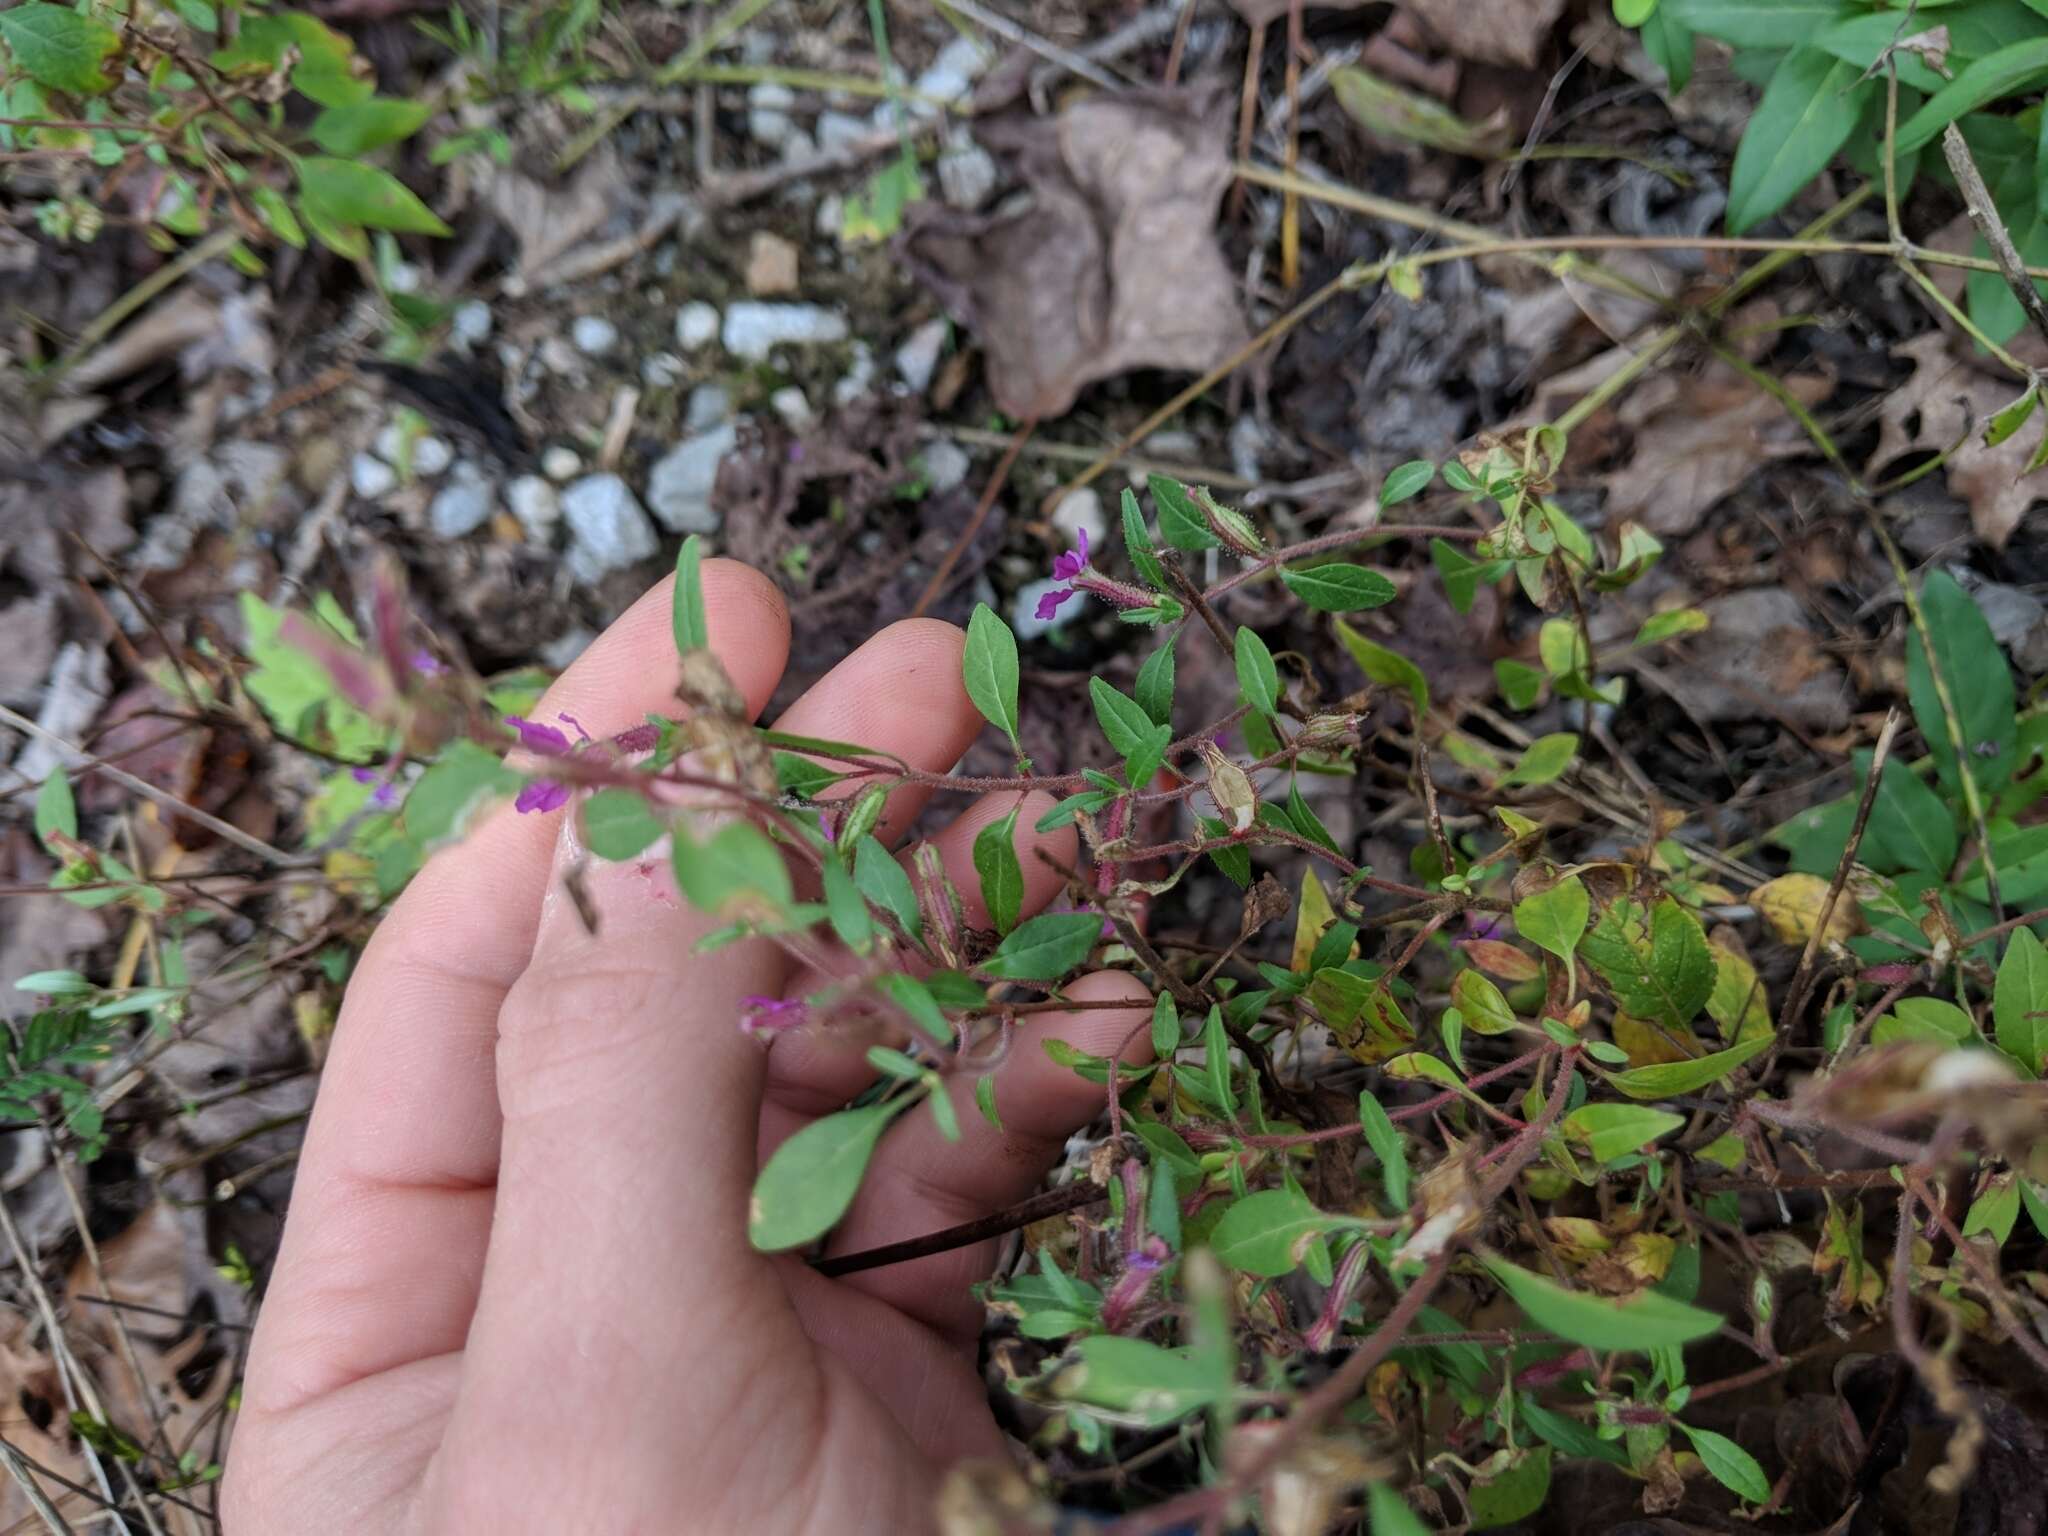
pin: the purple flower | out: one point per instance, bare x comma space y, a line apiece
770, 1014
1068, 565
544, 739
638, 738
427, 664
385, 795
1485, 925
1049, 603
542, 795
575, 725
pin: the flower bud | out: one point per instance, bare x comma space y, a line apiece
1230, 525
1237, 803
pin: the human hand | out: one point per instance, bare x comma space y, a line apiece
515, 1292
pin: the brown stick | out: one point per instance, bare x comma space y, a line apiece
1984, 214
1068, 1197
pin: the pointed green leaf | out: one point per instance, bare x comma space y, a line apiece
1000, 871
989, 669
845, 908
1608, 1131
691, 625
56, 810
1545, 760
1979, 682
812, 1178
1405, 482
736, 865
1555, 919
1125, 725
1138, 543
1385, 666
2019, 1002
618, 824
1047, 947
1180, 521
56, 46
1155, 685
2007, 72
1733, 1467
1265, 1232
358, 128
1257, 677
1656, 963
1667, 1079
1385, 1140
1643, 1321
883, 881
347, 192
1807, 113
1339, 588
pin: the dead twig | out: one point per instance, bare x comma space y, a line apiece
1795, 994
1984, 214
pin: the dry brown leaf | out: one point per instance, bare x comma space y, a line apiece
549, 221
1703, 441
1491, 31
1942, 402
1113, 267
1258, 11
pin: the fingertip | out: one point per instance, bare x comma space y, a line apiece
736, 594
1103, 1031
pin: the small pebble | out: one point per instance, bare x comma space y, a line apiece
859, 378
794, 407
608, 527
561, 464
370, 477
771, 265
431, 455
472, 322
696, 325
594, 335
679, 486
768, 108
464, 504
752, 331
830, 218
1080, 512
841, 130
918, 358
537, 505
945, 465
557, 356
967, 176
661, 370
709, 405
951, 76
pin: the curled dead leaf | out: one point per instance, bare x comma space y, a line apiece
1791, 904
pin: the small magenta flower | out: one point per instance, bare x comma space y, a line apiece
770, 1015
385, 795
1066, 565
544, 739
427, 664
542, 795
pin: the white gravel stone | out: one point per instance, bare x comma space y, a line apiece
754, 330
1080, 512
945, 465
858, 379
951, 76
661, 370
967, 175
370, 477
608, 527
830, 218
768, 107
680, 485
432, 455
918, 358
709, 405
464, 504
472, 322
594, 335
560, 464
696, 325
794, 407
558, 357
537, 505
841, 130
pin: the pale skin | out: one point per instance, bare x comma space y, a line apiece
515, 1292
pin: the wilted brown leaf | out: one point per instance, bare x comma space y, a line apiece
1113, 266
1257, 11
1943, 402
1491, 31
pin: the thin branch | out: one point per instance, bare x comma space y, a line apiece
1795, 994
1069, 1197
1984, 214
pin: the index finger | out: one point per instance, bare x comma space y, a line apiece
391, 1210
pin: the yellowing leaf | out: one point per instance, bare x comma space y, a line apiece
1738, 1003
1311, 917
1647, 1045
1791, 905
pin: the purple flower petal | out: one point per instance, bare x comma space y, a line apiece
575, 725
1070, 563
363, 775
1049, 604
544, 739
770, 1013
542, 795
427, 664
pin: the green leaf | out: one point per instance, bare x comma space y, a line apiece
1142, 763
368, 125
812, 1178
1257, 676
1996, 1211
845, 908
1659, 627
1236, 862
1923, 1018
1481, 1004
56, 810
1001, 872
53, 983
1391, 1515
691, 625
618, 824
1669, 43
1405, 482
276, 214
440, 804
1125, 724
1633, 13
349, 192
326, 68
1062, 814
1462, 574
2019, 1002
1566, 1434
59, 48
1666, 1079
2007, 72
1657, 963
1047, 947
883, 881
1909, 826
1608, 1131
1181, 522
1339, 588
1386, 1143
1265, 1232
1155, 685
1646, 1320
1733, 1467
1136, 1377
989, 669
1165, 1027
1385, 666
735, 866
1216, 1061
1306, 821
1555, 919
1521, 685
803, 778
1979, 681
916, 1000
1807, 113
1513, 1493
985, 1099
1546, 759
1138, 543
1756, 23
